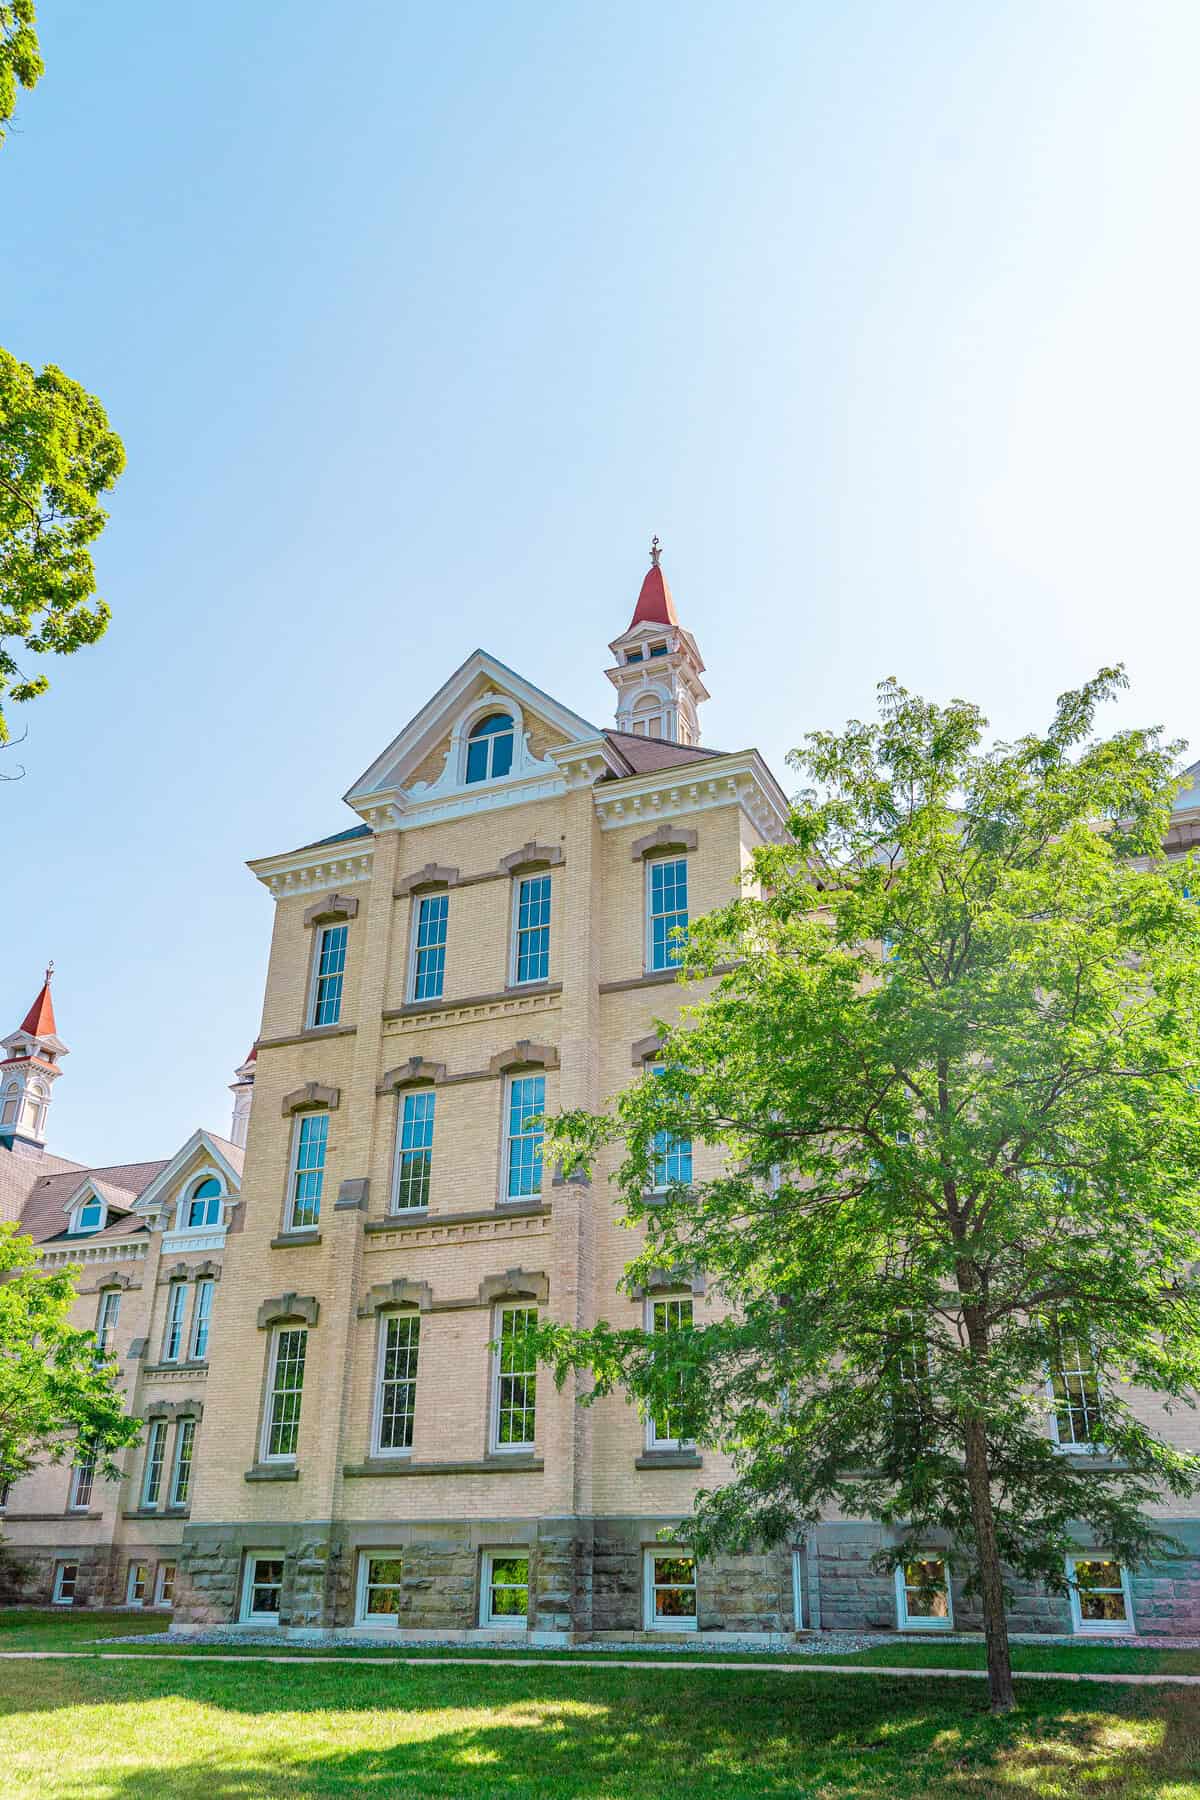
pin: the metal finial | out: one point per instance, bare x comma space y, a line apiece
655, 551
49, 968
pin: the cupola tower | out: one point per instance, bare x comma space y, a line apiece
28, 1070
242, 1089
658, 666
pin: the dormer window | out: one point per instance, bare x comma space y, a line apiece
90, 1215
490, 748
204, 1205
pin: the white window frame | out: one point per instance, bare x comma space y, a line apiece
106, 1327
77, 1212
385, 1321
375, 1621
488, 1620
515, 978
81, 1473
665, 1187
206, 1291
414, 945
131, 1582
1100, 1627
56, 1593
188, 1198
185, 1433
253, 1558
289, 1221
1072, 1446
659, 862
649, 1586
527, 1446
653, 1441
904, 1621
506, 1164
156, 1439
797, 1589
174, 1328
161, 1598
499, 707
399, 1152
314, 980
266, 1454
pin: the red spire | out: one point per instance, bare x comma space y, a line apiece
39, 1020
654, 604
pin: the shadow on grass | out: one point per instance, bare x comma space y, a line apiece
582, 1735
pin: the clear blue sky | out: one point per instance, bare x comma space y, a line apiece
418, 320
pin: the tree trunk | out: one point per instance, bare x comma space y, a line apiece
991, 1578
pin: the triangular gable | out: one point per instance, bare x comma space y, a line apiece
398, 764
114, 1199
214, 1150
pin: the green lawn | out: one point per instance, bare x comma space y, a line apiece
191, 1729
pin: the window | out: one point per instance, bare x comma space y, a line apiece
156, 1452
1076, 1395
379, 1579
83, 1480
633, 656
666, 1316
329, 971
204, 1206
523, 1138
262, 1588
176, 1306
164, 1585
658, 649
12, 1104
797, 1590
670, 1591
6, 1488
399, 1341
90, 1216
281, 1430
514, 1396
308, 1171
137, 1585
668, 909
106, 1327
429, 947
672, 1157
201, 1314
504, 1590
66, 1579
531, 959
1100, 1598
181, 1477
414, 1152
923, 1601
490, 748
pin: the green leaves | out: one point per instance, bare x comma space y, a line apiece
20, 57
57, 455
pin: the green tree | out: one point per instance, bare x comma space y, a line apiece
58, 1395
953, 1079
58, 454
20, 56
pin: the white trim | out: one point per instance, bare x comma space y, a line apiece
266, 1455
56, 1595
185, 1433
650, 1619
205, 1284
651, 863
507, 1141
488, 1620
175, 1316
495, 1447
376, 1621
514, 928
414, 925
91, 1198
252, 1559
797, 1589
906, 1622
156, 1432
160, 1581
381, 1335
289, 1197
131, 1583
653, 1441
1100, 1627
151, 1195
320, 933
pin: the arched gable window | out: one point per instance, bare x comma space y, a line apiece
12, 1104
648, 716
204, 1204
490, 748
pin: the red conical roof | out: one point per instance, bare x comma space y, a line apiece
39, 1020
654, 604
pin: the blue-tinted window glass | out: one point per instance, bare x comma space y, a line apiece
672, 1158
414, 1156
668, 911
490, 748
429, 966
309, 1176
533, 929
526, 1102
204, 1208
331, 968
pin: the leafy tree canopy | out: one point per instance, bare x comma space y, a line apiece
951, 1080
57, 456
58, 1394
20, 57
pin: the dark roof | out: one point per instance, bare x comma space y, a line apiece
119, 1185
645, 755
340, 837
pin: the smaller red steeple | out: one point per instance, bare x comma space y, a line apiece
39, 1020
654, 604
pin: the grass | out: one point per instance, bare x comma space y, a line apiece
191, 1729
31, 1629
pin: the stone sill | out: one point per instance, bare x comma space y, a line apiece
284, 1471
669, 1459
155, 1512
312, 1035
658, 978
44, 1518
296, 1240
177, 1368
420, 1009
491, 1465
420, 1220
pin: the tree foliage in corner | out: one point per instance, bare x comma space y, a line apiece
58, 1395
57, 456
952, 1078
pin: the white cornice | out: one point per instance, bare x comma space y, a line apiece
691, 787
112, 1250
305, 871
